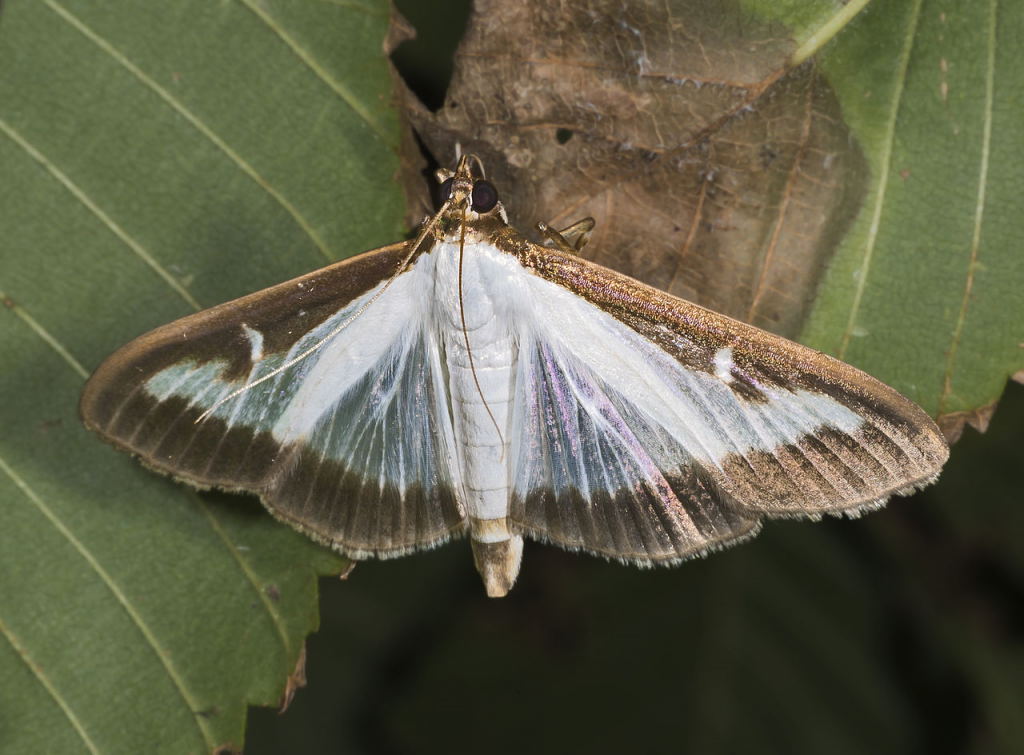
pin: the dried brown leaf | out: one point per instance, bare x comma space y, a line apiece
296, 681
712, 171
953, 423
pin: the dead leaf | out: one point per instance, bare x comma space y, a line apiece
296, 681
712, 171
952, 424
347, 570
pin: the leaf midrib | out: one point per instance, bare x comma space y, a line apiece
978, 210
884, 168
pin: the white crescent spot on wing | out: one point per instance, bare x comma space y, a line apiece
255, 342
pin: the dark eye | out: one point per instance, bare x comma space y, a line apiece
485, 196
445, 191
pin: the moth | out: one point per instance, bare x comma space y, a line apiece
470, 381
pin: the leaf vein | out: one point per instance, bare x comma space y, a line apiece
787, 198
43, 333
95, 209
826, 32
160, 652
196, 123
37, 671
885, 165
249, 573
336, 86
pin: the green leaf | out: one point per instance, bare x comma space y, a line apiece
927, 291
159, 158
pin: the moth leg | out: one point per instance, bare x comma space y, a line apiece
581, 229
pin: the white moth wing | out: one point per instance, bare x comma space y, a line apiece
623, 447
353, 443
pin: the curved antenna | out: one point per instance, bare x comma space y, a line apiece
479, 164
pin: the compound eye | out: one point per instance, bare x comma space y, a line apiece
485, 196
446, 190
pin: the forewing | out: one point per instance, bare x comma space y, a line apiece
650, 429
592, 472
351, 444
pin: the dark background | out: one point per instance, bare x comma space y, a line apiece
898, 632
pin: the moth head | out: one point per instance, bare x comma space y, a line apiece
467, 190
